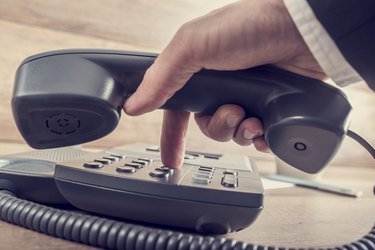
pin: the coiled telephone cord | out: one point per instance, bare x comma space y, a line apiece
110, 234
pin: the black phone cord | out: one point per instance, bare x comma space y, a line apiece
110, 234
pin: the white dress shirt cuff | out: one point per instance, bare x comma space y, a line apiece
321, 45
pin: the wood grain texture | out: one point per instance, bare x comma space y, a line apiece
143, 23
34, 26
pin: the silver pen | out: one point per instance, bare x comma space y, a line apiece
317, 185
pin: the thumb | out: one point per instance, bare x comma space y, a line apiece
169, 73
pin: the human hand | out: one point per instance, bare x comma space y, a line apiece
241, 35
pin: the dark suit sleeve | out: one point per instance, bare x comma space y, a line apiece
351, 24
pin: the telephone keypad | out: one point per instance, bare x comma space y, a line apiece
202, 175
128, 166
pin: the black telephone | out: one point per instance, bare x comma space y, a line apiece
69, 97
210, 193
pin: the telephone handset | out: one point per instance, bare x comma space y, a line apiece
69, 97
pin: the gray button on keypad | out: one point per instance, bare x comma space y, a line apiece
159, 174
103, 161
118, 156
145, 159
208, 169
125, 169
230, 171
111, 158
140, 162
200, 180
229, 180
133, 165
92, 165
203, 174
165, 169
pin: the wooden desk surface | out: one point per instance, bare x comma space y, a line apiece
292, 217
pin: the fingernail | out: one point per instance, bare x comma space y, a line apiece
233, 120
249, 135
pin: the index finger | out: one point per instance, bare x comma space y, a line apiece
170, 71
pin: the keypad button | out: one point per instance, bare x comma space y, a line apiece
229, 180
215, 157
159, 174
125, 169
203, 174
145, 159
200, 180
140, 162
103, 161
196, 154
118, 156
153, 148
165, 169
133, 165
189, 157
92, 165
111, 158
230, 171
207, 168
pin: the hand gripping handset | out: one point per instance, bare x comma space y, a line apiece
69, 97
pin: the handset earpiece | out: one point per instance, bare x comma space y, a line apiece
65, 100
70, 97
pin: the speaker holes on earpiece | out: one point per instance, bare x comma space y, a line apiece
63, 123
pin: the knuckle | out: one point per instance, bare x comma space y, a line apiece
232, 109
242, 142
219, 135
